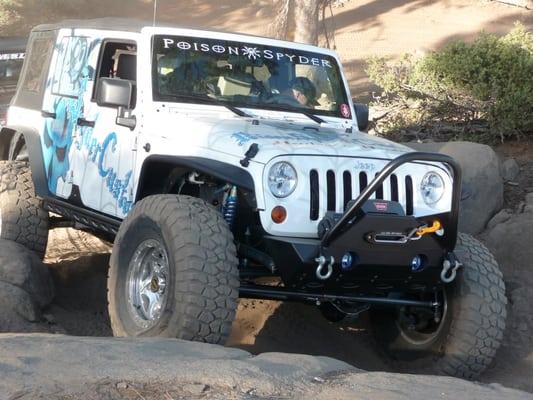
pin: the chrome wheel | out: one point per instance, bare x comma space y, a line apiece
147, 283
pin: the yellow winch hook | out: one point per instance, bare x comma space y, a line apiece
429, 229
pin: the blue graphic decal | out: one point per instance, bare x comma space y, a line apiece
313, 138
243, 138
69, 84
97, 154
117, 187
110, 140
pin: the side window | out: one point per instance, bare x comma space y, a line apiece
118, 59
37, 63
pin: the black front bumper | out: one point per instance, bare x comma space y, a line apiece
377, 267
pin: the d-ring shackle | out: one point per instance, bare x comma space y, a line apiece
319, 269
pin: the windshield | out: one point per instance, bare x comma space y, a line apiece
192, 69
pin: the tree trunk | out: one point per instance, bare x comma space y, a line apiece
306, 21
279, 27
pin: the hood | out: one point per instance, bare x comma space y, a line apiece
276, 138
219, 130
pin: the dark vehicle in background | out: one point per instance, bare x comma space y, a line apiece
12, 52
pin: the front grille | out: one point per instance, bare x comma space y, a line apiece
333, 191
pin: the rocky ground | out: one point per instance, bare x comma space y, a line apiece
78, 265
66, 367
269, 326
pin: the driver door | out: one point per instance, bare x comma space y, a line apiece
107, 150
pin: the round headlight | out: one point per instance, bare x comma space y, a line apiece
282, 179
432, 188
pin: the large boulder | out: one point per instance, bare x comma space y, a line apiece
509, 239
508, 236
25, 288
59, 367
482, 181
510, 169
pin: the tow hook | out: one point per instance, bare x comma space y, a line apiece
321, 264
423, 230
449, 268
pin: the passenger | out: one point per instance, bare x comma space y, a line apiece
303, 90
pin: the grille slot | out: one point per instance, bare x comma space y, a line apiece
408, 195
331, 198
394, 187
363, 181
379, 191
347, 185
314, 195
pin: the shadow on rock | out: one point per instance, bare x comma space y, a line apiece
80, 305
509, 238
25, 288
268, 326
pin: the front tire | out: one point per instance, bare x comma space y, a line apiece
173, 272
22, 216
465, 341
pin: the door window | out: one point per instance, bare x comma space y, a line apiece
118, 60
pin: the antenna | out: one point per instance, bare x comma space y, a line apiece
155, 10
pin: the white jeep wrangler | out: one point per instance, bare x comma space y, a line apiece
225, 165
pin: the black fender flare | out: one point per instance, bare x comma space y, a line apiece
6, 138
225, 172
12, 134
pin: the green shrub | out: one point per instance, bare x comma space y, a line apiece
479, 88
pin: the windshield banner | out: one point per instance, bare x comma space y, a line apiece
253, 53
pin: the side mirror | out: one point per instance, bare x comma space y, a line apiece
119, 94
361, 113
113, 92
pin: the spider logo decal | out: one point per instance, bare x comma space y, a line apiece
251, 52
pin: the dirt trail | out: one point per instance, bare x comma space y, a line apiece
79, 265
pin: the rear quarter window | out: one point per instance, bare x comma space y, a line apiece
37, 63
32, 83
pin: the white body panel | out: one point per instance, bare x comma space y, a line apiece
105, 162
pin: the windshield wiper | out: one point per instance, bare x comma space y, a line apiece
308, 114
212, 100
236, 110
312, 116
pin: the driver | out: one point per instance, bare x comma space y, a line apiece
303, 90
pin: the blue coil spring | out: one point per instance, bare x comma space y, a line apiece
229, 211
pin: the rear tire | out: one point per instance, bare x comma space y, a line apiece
173, 272
465, 341
22, 216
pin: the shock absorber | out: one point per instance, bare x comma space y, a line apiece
229, 211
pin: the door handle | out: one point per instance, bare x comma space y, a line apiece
84, 122
48, 114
